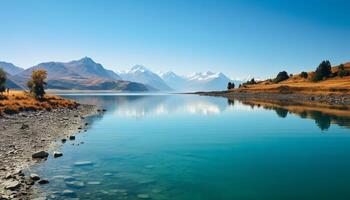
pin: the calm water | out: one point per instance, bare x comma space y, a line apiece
192, 147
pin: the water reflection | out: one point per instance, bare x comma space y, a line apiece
141, 106
323, 116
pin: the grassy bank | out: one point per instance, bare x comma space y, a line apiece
17, 101
333, 85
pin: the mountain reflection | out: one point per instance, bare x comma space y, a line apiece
140, 106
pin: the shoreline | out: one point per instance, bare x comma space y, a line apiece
26, 133
323, 100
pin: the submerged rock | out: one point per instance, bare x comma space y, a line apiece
75, 184
94, 183
72, 137
40, 154
143, 196
69, 193
83, 163
108, 174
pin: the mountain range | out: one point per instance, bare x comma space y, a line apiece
86, 74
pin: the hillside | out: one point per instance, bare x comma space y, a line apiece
297, 84
83, 74
10, 68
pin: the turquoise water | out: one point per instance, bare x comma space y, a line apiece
198, 148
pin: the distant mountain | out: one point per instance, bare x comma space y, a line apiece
141, 74
83, 74
10, 68
12, 84
208, 81
198, 81
175, 81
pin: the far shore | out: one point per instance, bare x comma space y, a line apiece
336, 100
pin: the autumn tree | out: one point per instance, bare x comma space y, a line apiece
37, 83
3, 78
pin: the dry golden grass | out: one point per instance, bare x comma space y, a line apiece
17, 101
296, 84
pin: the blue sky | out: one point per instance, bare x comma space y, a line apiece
240, 38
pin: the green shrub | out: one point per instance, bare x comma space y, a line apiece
304, 75
230, 85
323, 71
281, 76
342, 73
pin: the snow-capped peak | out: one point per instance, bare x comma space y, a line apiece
138, 68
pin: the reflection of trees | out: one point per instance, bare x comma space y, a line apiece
281, 112
323, 121
230, 102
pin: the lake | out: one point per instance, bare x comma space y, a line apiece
196, 148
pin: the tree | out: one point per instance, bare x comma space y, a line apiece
304, 75
341, 67
281, 76
37, 83
322, 71
252, 81
341, 73
230, 85
3, 79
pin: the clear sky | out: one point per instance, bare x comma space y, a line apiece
240, 38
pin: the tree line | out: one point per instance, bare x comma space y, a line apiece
322, 72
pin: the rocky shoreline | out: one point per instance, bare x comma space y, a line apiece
25, 139
291, 98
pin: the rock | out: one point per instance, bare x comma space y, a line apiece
93, 183
40, 154
24, 126
43, 181
57, 154
75, 184
86, 124
64, 140
12, 185
29, 181
143, 196
8, 176
149, 166
72, 137
3, 197
34, 177
40, 198
83, 163
69, 193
